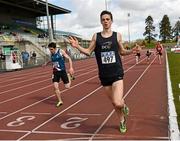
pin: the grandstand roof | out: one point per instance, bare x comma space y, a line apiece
38, 7
64, 33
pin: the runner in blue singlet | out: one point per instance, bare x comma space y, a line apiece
59, 70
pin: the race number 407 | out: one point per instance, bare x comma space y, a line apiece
108, 57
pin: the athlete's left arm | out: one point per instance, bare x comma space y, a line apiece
71, 70
122, 50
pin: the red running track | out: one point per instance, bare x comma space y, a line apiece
28, 112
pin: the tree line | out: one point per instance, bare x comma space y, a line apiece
166, 31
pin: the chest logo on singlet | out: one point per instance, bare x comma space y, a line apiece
106, 45
108, 57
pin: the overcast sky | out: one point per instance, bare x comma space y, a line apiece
84, 18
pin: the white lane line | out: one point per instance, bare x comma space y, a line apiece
36, 72
51, 85
104, 122
86, 138
61, 133
25, 94
111, 138
139, 78
47, 132
32, 84
15, 131
22, 76
134, 65
24, 86
101, 126
93, 92
133, 60
41, 89
80, 114
46, 98
3, 112
34, 79
29, 113
83, 134
9, 84
44, 75
62, 111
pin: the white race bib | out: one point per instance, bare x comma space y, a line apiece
55, 64
108, 57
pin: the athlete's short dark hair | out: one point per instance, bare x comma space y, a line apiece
106, 12
52, 45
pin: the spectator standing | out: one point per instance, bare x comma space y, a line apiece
33, 56
25, 57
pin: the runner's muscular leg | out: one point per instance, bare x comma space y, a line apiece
68, 85
57, 91
117, 89
108, 90
117, 93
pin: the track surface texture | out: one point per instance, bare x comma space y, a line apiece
28, 112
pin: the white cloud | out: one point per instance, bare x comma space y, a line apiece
84, 18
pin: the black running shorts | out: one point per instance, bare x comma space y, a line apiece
57, 75
110, 80
160, 53
138, 54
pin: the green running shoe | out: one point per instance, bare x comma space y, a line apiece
125, 110
59, 104
122, 127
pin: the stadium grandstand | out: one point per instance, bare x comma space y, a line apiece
23, 28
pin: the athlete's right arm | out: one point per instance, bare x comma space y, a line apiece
74, 43
47, 63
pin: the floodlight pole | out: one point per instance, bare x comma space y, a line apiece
48, 23
178, 28
106, 4
129, 29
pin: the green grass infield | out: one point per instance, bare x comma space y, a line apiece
174, 67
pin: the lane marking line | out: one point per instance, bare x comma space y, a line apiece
104, 122
27, 85
61, 112
35, 77
66, 108
80, 114
80, 134
3, 112
28, 113
37, 72
40, 89
48, 98
48, 86
15, 131
45, 99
